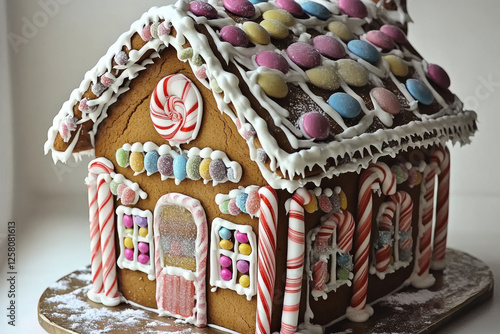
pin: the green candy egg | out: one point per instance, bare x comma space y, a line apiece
342, 274
113, 186
193, 167
122, 157
224, 207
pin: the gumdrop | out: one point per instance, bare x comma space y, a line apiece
233, 208
204, 169
193, 167
324, 203
122, 157
241, 200
224, 207
121, 58
342, 274
336, 202
128, 196
252, 205
217, 170
151, 162
166, 165
113, 187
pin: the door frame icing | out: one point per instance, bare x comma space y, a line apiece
199, 317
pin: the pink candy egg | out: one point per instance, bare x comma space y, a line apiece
143, 258
120, 189
202, 8
143, 247
304, 55
240, 7
395, 33
274, 60
129, 254
353, 8
128, 196
253, 203
241, 237
329, 47
386, 100
380, 39
235, 36
438, 75
242, 266
233, 208
226, 274
290, 6
225, 261
128, 222
315, 125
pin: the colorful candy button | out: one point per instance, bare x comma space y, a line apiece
275, 28
180, 167
122, 157
166, 165
241, 200
224, 233
304, 55
242, 266
324, 77
364, 50
352, 72
225, 261
353, 8
244, 281
272, 84
241, 237
240, 7
127, 242
329, 47
143, 247
235, 36
129, 254
341, 30
143, 232
346, 105
141, 221
380, 39
245, 249
419, 91
143, 258
395, 33
315, 125
226, 274
397, 65
226, 244
274, 60
280, 15
202, 8
386, 100
256, 33
290, 6
128, 222
315, 9
151, 162
438, 75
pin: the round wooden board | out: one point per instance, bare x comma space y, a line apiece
65, 308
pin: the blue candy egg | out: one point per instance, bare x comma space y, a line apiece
225, 234
315, 9
151, 162
346, 105
180, 167
257, 1
241, 200
419, 91
364, 50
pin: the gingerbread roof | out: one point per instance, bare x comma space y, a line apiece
322, 88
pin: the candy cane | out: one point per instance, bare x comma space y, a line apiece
176, 109
268, 222
295, 261
375, 177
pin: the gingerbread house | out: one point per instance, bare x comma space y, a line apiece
263, 166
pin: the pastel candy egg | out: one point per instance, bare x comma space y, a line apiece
242, 266
342, 274
120, 189
438, 75
312, 206
324, 203
275, 28
324, 77
122, 157
225, 261
380, 39
143, 232
241, 200
129, 254
256, 33
304, 55
253, 203
341, 30
397, 65
151, 162
226, 274
141, 221
224, 207
235, 36
364, 50
290, 6
129, 231
352, 72
240, 7
244, 281
343, 200
204, 169
346, 105
315, 125
217, 170
353, 8
143, 258
233, 207
329, 46
280, 15
226, 244
273, 60
241, 237
137, 162
386, 100
419, 91
245, 249
166, 165
224, 233
128, 196
395, 33
113, 187
128, 222
272, 84
315, 9
143, 247
193, 167
127, 242
179, 166
202, 8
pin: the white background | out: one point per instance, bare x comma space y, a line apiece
49, 202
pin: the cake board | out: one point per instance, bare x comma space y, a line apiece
64, 306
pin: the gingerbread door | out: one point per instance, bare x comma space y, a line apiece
180, 229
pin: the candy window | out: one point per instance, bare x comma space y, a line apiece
233, 258
135, 235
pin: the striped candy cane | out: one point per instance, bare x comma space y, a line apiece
295, 261
268, 223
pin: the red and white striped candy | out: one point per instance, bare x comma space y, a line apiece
176, 109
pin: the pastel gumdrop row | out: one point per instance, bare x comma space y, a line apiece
241, 200
143, 251
327, 200
127, 191
227, 242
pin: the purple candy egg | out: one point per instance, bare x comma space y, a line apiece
241, 237
354, 8
129, 254
395, 33
201, 8
225, 261
235, 36
128, 222
304, 55
143, 258
378, 38
226, 274
274, 60
141, 221
290, 6
386, 100
438, 75
242, 266
217, 170
240, 7
329, 47
143, 247
166, 165
315, 125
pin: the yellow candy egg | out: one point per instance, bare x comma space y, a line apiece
245, 249
143, 231
129, 231
275, 28
244, 281
397, 65
256, 33
312, 206
279, 15
272, 84
226, 244
343, 200
419, 178
324, 77
341, 30
204, 169
127, 242
137, 162
352, 72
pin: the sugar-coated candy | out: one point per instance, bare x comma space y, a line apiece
275, 28
120, 189
205, 169
226, 244
242, 266
122, 157
398, 172
128, 196
438, 75
404, 255
146, 33
241, 200
141, 221
342, 274
329, 46
121, 58
261, 155
202, 8
378, 38
84, 107
395, 33
127, 242
233, 208
143, 247
143, 258
412, 177
154, 29
419, 91
271, 59
231, 174
166, 165
241, 237
343, 200
98, 88
315, 125
290, 6
185, 54
341, 30
113, 187
352, 72
253, 203
315, 9
128, 253
240, 7
244, 281
324, 203
193, 167
346, 105
324, 77
245, 249
384, 239
280, 15
386, 100
312, 206
226, 274
272, 84
247, 131
180, 167
234, 36
353, 8
256, 33
224, 207
106, 80
217, 170
225, 261
224, 233
137, 161
364, 50
143, 232
128, 222
197, 60
303, 54
164, 29
344, 260
201, 72
336, 203
215, 85
397, 65
151, 162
